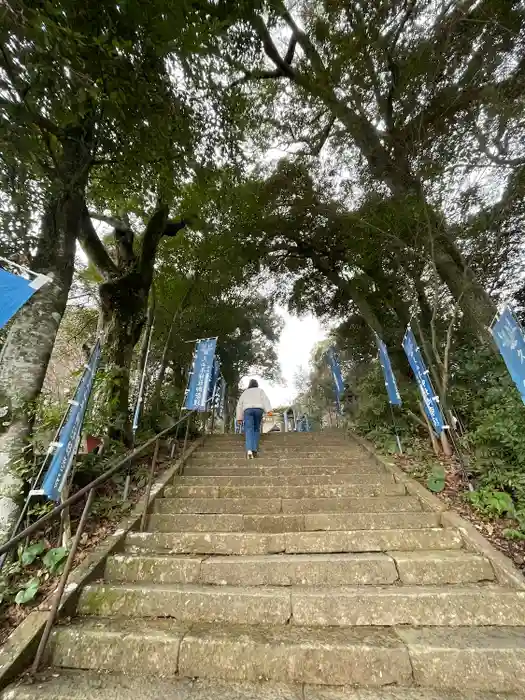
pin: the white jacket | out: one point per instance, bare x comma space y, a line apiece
252, 398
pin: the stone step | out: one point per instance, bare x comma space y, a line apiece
277, 460
302, 606
282, 451
268, 506
262, 479
90, 685
254, 469
267, 443
292, 522
413, 568
386, 487
482, 659
334, 541
189, 603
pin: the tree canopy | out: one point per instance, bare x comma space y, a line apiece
184, 166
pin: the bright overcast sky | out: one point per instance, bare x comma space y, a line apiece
297, 341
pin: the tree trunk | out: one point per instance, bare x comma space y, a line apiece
124, 313
476, 304
28, 347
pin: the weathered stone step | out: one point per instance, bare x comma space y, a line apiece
267, 444
189, 603
90, 685
277, 460
247, 543
387, 487
363, 606
267, 506
413, 568
292, 522
271, 570
282, 451
330, 657
419, 606
262, 479
252, 468
483, 659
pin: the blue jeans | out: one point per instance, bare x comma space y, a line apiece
252, 427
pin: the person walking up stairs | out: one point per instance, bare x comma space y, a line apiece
309, 574
251, 407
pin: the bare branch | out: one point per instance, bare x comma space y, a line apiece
257, 75
290, 53
496, 158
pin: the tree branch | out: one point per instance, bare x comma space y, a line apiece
496, 158
158, 226
270, 48
94, 248
114, 223
257, 75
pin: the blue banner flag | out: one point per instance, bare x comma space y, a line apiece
430, 400
222, 402
15, 291
333, 361
215, 373
508, 336
199, 382
220, 396
69, 437
390, 380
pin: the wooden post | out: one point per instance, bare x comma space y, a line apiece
433, 438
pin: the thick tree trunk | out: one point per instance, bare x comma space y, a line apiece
28, 347
124, 313
476, 304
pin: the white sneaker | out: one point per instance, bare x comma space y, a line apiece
249, 454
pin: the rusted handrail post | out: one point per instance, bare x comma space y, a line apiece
62, 584
186, 435
144, 517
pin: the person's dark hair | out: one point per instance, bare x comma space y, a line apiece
253, 384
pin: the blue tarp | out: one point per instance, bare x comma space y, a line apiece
14, 292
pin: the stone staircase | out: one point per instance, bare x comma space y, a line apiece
306, 574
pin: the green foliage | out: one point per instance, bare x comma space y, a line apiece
28, 591
31, 553
436, 480
54, 559
490, 502
513, 534
21, 580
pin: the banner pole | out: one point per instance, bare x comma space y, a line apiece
398, 439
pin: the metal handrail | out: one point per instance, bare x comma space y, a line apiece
89, 489
118, 464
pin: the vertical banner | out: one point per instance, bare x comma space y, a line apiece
335, 368
69, 437
215, 374
390, 380
221, 392
201, 374
15, 291
430, 400
508, 336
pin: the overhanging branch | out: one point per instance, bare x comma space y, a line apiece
94, 248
